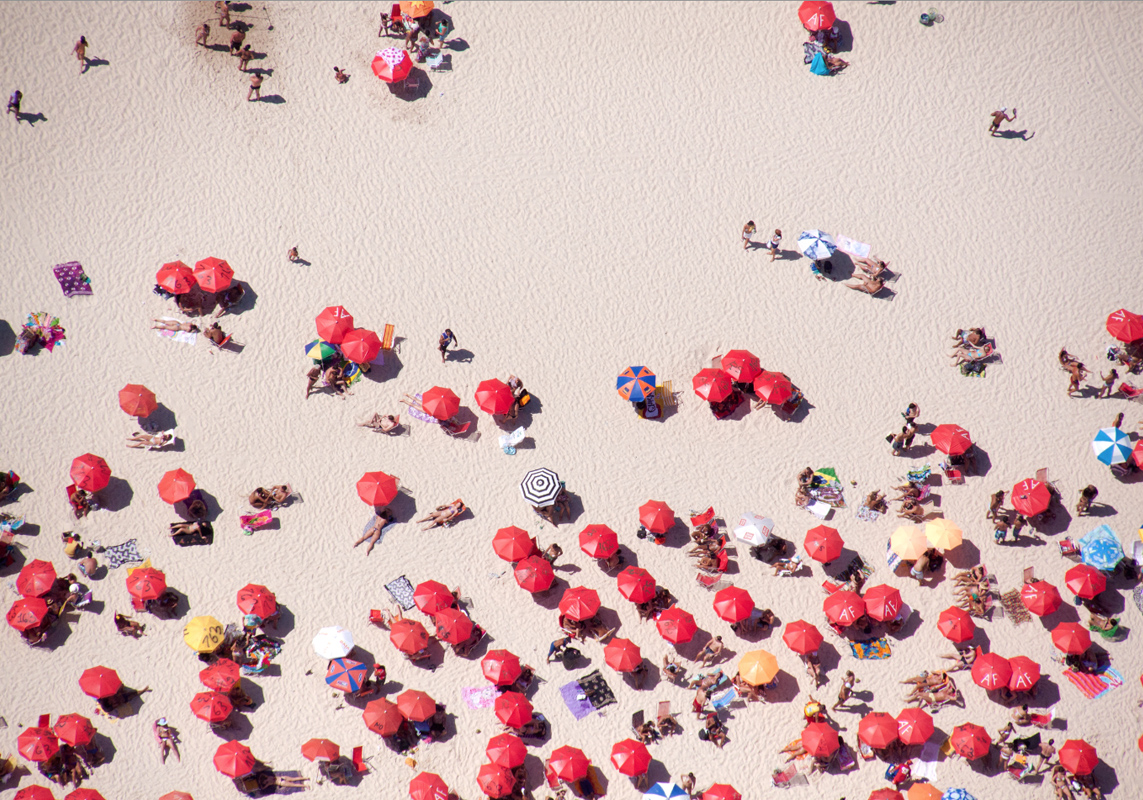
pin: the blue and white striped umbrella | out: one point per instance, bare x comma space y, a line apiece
816, 245
1111, 446
665, 791
1100, 548
956, 794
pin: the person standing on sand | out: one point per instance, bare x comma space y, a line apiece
292, 255
203, 33
447, 338
80, 51
1000, 117
774, 243
748, 231
255, 88
846, 691
223, 9
245, 55
1108, 384
339, 75
236, 40
14, 104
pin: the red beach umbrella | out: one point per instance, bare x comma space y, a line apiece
74, 729
579, 603
1078, 757
382, 717
36, 578
741, 365
27, 612
721, 791
820, 740
213, 274
99, 682
377, 488
176, 796
34, 793
1071, 637
360, 346
513, 544
1125, 326
877, 729
676, 625
393, 66
211, 706
440, 402
321, 748
914, 726
234, 759
1025, 673
37, 744
802, 637
83, 794
1030, 497
1137, 453
333, 323
956, 625
713, 385
636, 584
222, 675
971, 741
494, 397
416, 706
146, 583
823, 543
882, 602
428, 786
991, 671
136, 400
453, 627
951, 440
175, 277
733, 604
513, 709
598, 541
569, 763
656, 516
534, 574
506, 750
630, 757
844, 607
886, 794
500, 667
816, 15
1040, 598
432, 596
1085, 581
90, 472
773, 388
494, 781
622, 655
176, 485
408, 636
257, 600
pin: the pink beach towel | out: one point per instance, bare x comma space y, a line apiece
479, 697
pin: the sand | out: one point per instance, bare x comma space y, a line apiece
568, 200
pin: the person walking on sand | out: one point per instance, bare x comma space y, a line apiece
292, 255
1000, 117
223, 9
846, 691
245, 56
1108, 384
255, 88
14, 104
748, 231
447, 338
339, 75
203, 33
80, 51
774, 243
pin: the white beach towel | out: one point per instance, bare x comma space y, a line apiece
178, 336
853, 247
926, 766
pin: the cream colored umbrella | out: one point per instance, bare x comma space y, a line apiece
943, 534
909, 542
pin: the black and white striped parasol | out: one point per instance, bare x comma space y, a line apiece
540, 487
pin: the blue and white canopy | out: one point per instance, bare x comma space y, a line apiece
665, 791
816, 245
1111, 446
956, 794
1100, 548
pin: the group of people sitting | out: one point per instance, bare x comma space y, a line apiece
871, 274
559, 510
932, 690
972, 590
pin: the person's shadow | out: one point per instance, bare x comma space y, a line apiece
95, 62
31, 119
1022, 135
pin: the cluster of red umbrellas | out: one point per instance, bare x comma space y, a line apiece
34, 581
359, 345
211, 275
992, 672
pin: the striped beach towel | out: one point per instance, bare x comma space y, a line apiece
1093, 686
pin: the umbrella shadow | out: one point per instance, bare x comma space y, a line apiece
239, 728
285, 623
982, 460
248, 301
841, 266
786, 691
403, 507
829, 658
403, 91
1059, 521
966, 555
379, 373
7, 338
116, 495
161, 419
549, 599
844, 36
213, 509
105, 745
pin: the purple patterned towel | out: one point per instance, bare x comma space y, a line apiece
579, 708
72, 278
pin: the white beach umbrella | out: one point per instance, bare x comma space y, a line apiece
754, 529
333, 642
816, 245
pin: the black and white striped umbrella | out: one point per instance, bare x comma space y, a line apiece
540, 487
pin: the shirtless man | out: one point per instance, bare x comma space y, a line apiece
872, 268
245, 56
312, 377
339, 75
711, 651
255, 88
1000, 117
292, 254
203, 33
994, 505
870, 286
846, 691
1045, 755
1076, 373
80, 51
215, 334
174, 325
228, 299
335, 377
236, 40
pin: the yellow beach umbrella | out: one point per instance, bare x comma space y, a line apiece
909, 542
924, 791
203, 634
416, 8
758, 667
943, 534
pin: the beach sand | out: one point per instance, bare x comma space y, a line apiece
568, 200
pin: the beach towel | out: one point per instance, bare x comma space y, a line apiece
10, 523
867, 514
1014, 607
384, 528
891, 558
182, 337
416, 413
919, 476
826, 487
596, 689
260, 519
873, 650
72, 278
721, 701
1093, 686
853, 247
402, 591
120, 554
479, 696
818, 65
576, 700
925, 767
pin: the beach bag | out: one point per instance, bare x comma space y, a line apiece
525, 398
818, 65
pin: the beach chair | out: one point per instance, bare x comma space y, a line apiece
786, 567
829, 587
665, 394
7, 768
387, 337
666, 720
1130, 392
413, 82
459, 430
787, 409
441, 62
1068, 548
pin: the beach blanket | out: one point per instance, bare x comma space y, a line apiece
402, 591
479, 696
721, 701
576, 700
596, 689
891, 558
384, 529
1014, 607
873, 650
867, 514
853, 247
919, 476
259, 519
72, 278
45, 328
826, 487
9, 523
925, 767
182, 337
120, 554
1093, 686
416, 413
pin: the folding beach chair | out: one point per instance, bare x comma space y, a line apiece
387, 337
665, 394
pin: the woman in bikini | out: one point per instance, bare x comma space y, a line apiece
174, 325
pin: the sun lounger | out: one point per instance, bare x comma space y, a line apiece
665, 394
387, 337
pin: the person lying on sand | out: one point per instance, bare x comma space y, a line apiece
128, 627
151, 440
973, 337
871, 267
174, 325
868, 285
381, 423
230, 298
443, 515
168, 739
373, 532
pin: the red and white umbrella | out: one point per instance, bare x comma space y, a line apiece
914, 726
1031, 497
882, 602
1041, 598
816, 15
991, 671
1025, 673
844, 607
951, 440
392, 65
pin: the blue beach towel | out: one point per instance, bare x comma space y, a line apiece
818, 65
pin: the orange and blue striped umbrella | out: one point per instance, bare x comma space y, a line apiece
635, 384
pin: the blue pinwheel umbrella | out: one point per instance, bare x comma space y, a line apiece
635, 384
956, 794
1100, 548
665, 791
346, 675
816, 245
1111, 446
